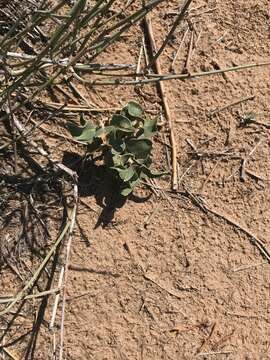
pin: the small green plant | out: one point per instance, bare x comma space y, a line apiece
124, 145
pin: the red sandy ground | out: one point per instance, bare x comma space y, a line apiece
186, 283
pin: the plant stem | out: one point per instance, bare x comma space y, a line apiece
177, 21
21, 295
152, 78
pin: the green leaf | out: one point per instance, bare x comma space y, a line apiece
126, 191
152, 175
146, 162
150, 127
117, 147
124, 145
140, 148
120, 160
134, 181
116, 142
125, 174
132, 184
103, 131
134, 109
84, 134
122, 123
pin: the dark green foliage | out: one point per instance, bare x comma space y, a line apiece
125, 144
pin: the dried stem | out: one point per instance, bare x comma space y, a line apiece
177, 21
153, 78
23, 293
166, 107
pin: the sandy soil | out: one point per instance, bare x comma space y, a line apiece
166, 280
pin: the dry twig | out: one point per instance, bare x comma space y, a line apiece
253, 238
228, 106
163, 94
178, 50
180, 16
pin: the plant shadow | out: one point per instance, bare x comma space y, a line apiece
95, 180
